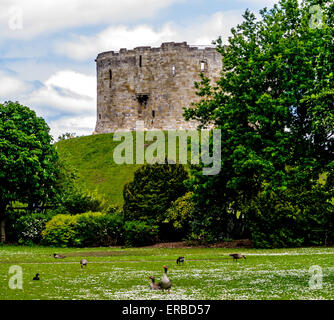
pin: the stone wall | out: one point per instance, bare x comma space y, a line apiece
151, 84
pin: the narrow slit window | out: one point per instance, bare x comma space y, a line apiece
202, 66
140, 61
173, 70
153, 113
99, 116
110, 78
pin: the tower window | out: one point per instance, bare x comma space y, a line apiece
110, 78
140, 61
153, 113
203, 66
173, 70
99, 116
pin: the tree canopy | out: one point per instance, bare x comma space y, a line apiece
152, 191
28, 170
274, 105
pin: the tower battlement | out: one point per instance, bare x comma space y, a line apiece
151, 85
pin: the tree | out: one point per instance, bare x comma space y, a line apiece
274, 105
180, 213
28, 168
152, 191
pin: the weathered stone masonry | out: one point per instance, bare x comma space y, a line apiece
151, 84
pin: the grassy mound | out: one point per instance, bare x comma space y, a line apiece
92, 159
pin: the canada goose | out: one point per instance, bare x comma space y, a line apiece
153, 285
83, 262
58, 256
36, 277
237, 256
179, 260
165, 283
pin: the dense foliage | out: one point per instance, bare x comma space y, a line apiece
87, 229
180, 214
28, 228
140, 233
274, 105
280, 219
152, 191
28, 170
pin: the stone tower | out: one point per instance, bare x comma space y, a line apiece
151, 85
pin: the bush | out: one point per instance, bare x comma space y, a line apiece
140, 233
60, 231
291, 219
152, 191
180, 214
87, 229
98, 229
75, 201
28, 228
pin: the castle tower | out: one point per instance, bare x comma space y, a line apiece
151, 84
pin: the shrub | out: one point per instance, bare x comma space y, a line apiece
60, 231
28, 228
99, 229
75, 201
180, 213
87, 229
290, 219
140, 233
153, 190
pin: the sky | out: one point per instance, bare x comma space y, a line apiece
48, 47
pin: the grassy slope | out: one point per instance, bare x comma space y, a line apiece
92, 158
206, 274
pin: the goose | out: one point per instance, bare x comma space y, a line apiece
83, 262
237, 256
165, 283
153, 285
179, 260
36, 277
58, 256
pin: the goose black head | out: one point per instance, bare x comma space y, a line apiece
165, 268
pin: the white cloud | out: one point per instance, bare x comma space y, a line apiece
80, 125
66, 92
49, 15
11, 86
67, 98
116, 37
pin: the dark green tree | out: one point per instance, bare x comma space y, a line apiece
28, 160
274, 105
152, 191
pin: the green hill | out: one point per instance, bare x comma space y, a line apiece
92, 159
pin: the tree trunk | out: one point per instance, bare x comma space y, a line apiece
2, 222
2, 228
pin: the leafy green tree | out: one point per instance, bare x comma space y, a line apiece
274, 105
28, 168
180, 213
152, 191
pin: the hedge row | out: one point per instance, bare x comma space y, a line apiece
97, 229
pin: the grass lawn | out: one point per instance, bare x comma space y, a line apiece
115, 273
